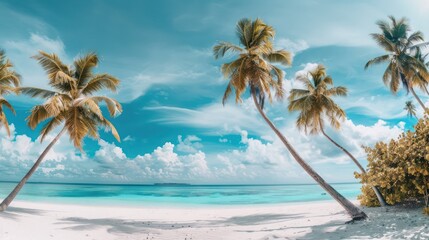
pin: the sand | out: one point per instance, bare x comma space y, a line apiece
317, 220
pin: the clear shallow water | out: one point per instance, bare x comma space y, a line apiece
177, 194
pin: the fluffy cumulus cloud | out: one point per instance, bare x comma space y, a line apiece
255, 160
190, 144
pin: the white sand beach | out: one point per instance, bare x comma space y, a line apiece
320, 220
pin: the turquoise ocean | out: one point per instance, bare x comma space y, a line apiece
165, 194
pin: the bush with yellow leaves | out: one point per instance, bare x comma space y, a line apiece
399, 168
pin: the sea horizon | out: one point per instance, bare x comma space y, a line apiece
173, 194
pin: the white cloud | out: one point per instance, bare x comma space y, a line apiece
308, 67
128, 138
190, 144
215, 118
21, 51
292, 46
255, 161
138, 85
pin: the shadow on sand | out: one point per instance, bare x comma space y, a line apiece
15, 212
135, 226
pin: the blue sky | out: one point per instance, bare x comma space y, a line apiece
174, 127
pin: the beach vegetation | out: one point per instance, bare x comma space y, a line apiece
400, 168
255, 68
317, 109
9, 81
70, 103
401, 47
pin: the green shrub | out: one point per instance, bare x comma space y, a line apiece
399, 168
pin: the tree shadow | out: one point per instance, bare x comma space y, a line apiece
15, 213
255, 219
117, 225
383, 223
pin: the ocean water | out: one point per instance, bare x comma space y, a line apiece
141, 195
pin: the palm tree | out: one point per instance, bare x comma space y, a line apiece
411, 109
70, 102
315, 105
9, 81
254, 69
417, 79
399, 45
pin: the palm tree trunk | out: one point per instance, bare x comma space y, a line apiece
375, 189
351, 209
18, 187
426, 89
418, 99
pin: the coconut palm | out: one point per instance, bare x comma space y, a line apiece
411, 109
9, 80
399, 45
417, 79
254, 69
315, 105
70, 102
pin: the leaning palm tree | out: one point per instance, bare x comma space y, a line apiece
399, 45
411, 109
254, 69
9, 81
314, 104
71, 103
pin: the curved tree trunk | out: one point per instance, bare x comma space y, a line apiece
418, 99
426, 89
351, 209
375, 189
18, 187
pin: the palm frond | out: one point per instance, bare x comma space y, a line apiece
37, 92
52, 64
49, 126
378, 60
38, 114
83, 68
112, 128
113, 106
4, 122
337, 91
280, 56
383, 42
7, 104
222, 48
99, 82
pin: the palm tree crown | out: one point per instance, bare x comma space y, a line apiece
254, 65
399, 45
9, 80
71, 99
410, 108
314, 102
417, 79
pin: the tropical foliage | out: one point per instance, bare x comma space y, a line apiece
71, 102
400, 168
395, 38
254, 69
314, 103
254, 66
9, 81
410, 108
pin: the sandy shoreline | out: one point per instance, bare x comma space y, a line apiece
316, 220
